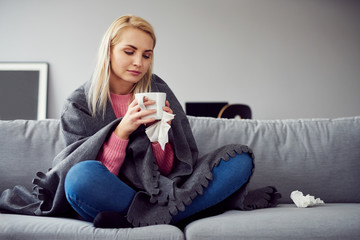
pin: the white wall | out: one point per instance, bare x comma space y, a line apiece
285, 58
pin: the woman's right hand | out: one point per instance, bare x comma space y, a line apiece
133, 119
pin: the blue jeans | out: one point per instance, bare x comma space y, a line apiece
90, 188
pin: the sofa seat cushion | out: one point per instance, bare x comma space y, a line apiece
331, 221
33, 227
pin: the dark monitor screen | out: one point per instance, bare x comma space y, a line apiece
204, 109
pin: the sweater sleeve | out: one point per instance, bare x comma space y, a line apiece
112, 153
164, 158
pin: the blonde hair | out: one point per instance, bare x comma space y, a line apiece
99, 91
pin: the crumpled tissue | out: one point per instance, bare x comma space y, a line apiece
302, 201
158, 132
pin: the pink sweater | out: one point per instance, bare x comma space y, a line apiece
112, 153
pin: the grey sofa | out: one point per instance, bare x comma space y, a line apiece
320, 157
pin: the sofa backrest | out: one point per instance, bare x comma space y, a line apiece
320, 157
26, 147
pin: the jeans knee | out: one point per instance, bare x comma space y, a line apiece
240, 165
78, 177
247, 161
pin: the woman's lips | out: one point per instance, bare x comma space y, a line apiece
134, 72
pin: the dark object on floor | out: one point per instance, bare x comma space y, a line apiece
109, 219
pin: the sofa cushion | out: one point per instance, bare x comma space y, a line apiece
26, 147
320, 157
332, 221
31, 227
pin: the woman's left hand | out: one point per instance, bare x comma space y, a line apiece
168, 109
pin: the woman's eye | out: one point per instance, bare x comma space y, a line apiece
129, 52
146, 56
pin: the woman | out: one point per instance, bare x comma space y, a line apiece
131, 181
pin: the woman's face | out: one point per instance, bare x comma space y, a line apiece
130, 59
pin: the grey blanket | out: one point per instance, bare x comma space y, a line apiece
158, 197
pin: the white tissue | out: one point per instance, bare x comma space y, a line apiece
302, 201
158, 132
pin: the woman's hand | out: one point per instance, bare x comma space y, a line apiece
134, 118
168, 109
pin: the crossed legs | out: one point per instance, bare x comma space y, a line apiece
92, 191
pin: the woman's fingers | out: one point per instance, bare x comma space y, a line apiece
137, 114
168, 110
146, 112
146, 101
147, 121
167, 107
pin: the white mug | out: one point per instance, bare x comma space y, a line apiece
158, 97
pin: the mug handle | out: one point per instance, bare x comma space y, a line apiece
141, 102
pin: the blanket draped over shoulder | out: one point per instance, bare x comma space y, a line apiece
158, 197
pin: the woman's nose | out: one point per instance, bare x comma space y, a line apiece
137, 60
